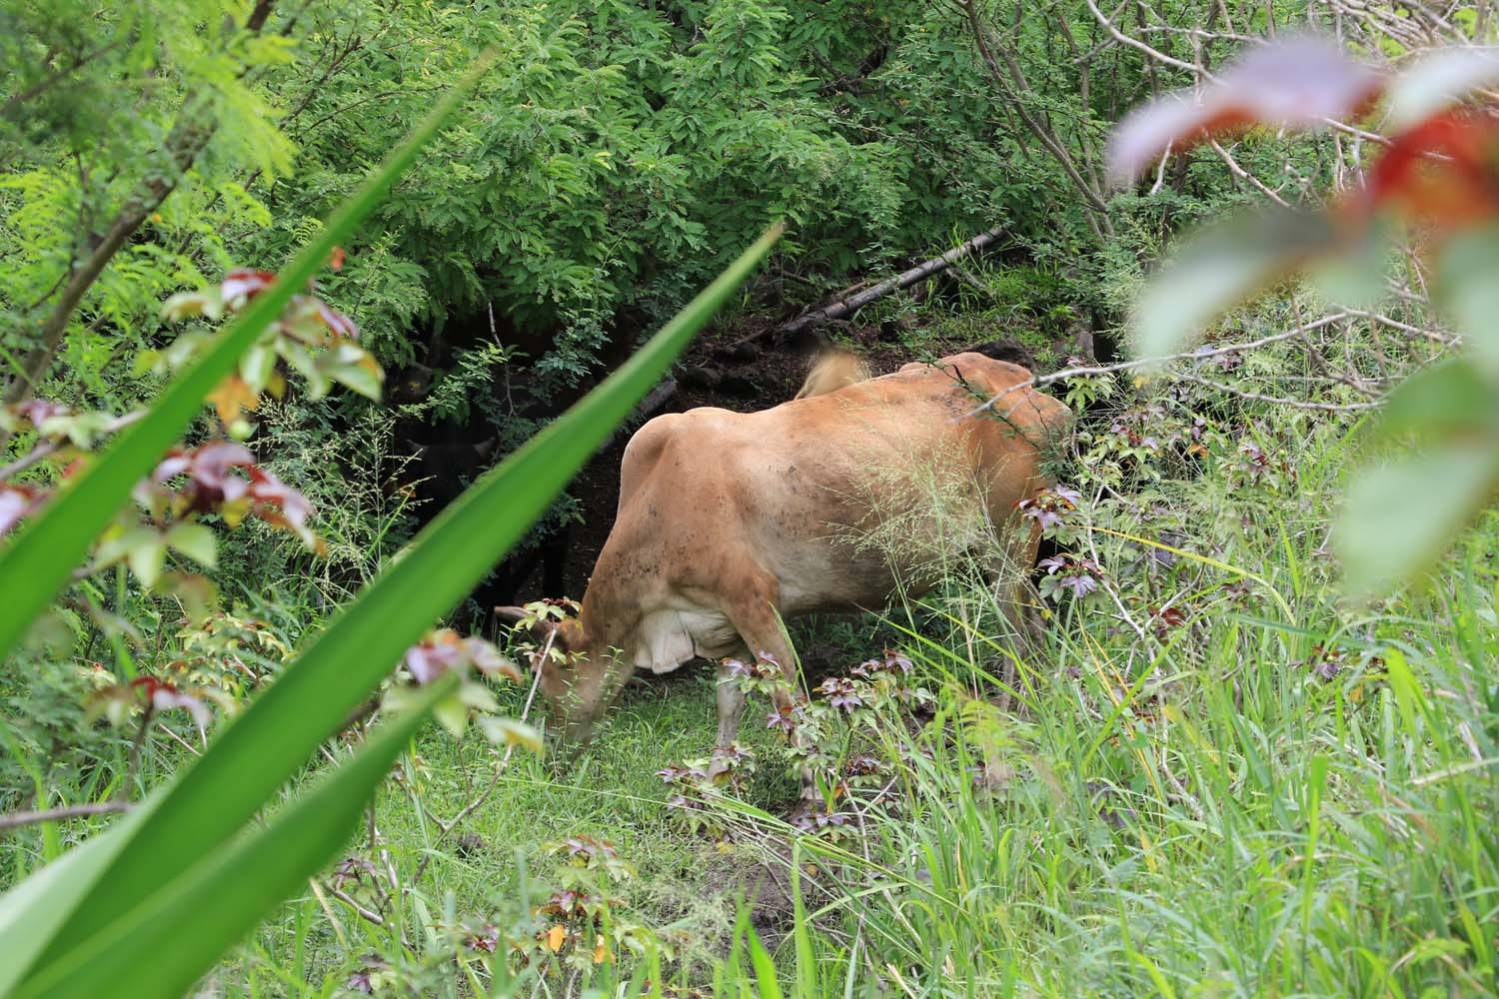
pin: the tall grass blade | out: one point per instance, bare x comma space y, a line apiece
766, 983
31, 911
806, 957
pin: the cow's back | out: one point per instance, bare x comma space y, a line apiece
898, 470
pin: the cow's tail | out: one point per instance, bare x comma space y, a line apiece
834, 369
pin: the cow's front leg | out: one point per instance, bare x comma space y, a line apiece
730, 711
759, 624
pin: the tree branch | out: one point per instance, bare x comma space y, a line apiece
47, 448
188, 138
906, 278
15, 820
1197, 355
1011, 80
13, 102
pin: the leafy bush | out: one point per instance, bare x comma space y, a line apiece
1435, 180
152, 877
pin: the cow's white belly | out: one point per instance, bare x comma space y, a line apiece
670, 637
822, 577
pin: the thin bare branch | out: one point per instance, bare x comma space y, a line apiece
15, 820
47, 448
1194, 355
446, 828
852, 303
1243, 174
1278, 400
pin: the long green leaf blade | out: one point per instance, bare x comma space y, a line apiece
41, 558
165, 944
806, 958
33, 910
768, 985
272, 740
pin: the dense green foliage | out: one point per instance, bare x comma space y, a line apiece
615, 159
1213, 774
103, 914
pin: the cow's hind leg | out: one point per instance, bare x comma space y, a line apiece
754, 611
1017, 597
1009, 573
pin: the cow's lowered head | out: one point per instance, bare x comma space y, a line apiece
575, 676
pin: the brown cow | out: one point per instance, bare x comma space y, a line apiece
728, 522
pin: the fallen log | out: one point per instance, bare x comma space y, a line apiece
852, 303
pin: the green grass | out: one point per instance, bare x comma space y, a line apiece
1234, 826
1201, 814
502, 865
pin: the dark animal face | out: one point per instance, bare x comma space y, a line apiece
1006, 350
572, 674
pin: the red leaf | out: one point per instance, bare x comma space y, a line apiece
165, 697
1444, 172
175, 463
338, 324
242, 284
208, 468
266, 488
18, 501
435, 655
208, 465
38, 411
1296, 83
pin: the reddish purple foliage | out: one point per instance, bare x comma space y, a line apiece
890, 661
589, 848
242, 284
18, 501
1297, 82
1079, 575
1050, 507
785, 717
841, 693
486, 941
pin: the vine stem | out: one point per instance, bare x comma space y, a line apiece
446, 828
